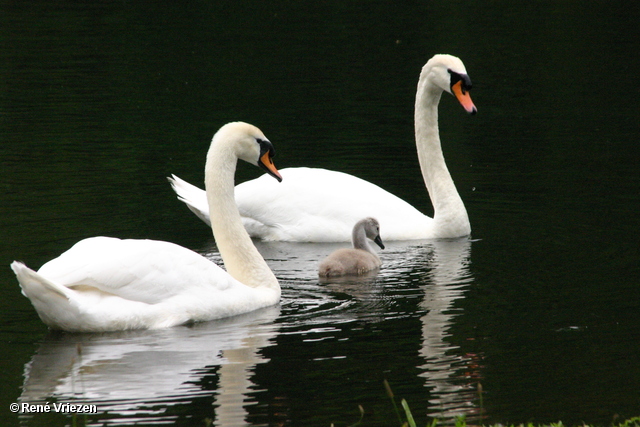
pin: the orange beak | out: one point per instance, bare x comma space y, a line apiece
464, 98
267, 164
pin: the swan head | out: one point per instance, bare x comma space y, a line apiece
372, 231
449, 74
250, 145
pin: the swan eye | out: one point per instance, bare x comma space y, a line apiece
265, 160
457, 77
266, 147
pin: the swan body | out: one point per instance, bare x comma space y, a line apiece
319, 205
108, 284
358, 260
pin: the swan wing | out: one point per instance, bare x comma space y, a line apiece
146, 271
106, 284
315, 205
321, 205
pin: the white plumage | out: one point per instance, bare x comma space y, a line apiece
108, 284
319, 205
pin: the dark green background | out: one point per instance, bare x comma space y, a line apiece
99, 102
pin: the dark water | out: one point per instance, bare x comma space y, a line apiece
99, 102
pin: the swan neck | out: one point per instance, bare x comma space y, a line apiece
359, 239
240, 256
447, 205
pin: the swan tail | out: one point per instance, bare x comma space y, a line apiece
34, 286
192, 196
56, 305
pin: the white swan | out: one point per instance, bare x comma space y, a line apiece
358, 260
318, 205
107, 284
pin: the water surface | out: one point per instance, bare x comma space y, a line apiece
100, 102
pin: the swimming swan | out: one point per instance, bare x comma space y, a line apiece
358, 260
319, 205
108, 284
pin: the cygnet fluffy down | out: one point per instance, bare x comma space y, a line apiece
357, 260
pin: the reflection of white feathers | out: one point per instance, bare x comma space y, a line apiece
123, 372
127, 373
447, 280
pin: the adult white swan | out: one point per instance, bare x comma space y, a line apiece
107, 284
318, 205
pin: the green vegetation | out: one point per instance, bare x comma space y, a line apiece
405, 417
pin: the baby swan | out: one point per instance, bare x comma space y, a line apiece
358, 260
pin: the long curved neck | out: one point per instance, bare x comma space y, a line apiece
241, 258
450, 215
359, 239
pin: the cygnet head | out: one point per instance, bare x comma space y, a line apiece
449, 74
371, 229
249, 144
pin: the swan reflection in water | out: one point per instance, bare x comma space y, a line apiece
132, 374
446, 371
137, 376
440, 268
